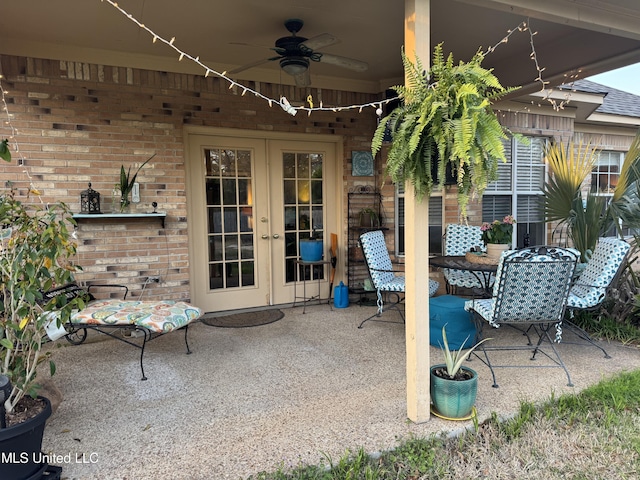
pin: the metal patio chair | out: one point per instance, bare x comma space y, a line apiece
590, 289
531, 288
386, 280
458, 240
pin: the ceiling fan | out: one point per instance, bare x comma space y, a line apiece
295, 54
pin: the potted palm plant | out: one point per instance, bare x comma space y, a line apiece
445, 117
588, 216
454, 387
36, 249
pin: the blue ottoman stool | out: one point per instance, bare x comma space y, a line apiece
449, 310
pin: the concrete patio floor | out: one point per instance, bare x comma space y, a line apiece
252, 399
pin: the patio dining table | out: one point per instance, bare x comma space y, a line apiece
484, 272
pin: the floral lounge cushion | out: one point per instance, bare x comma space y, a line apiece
156, 316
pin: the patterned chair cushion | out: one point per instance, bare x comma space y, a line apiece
590, 288
381, 268
156, 316
530, 287
458, 240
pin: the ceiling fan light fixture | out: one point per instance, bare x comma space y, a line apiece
294, 65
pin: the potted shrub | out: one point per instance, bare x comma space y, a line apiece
445, 117
497, 235
454, 387
35, 252
369, 218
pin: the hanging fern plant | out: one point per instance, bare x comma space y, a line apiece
445, 117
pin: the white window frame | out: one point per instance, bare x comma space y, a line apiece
608, 158
399, 193
511, 183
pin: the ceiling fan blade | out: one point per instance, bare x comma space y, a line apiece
303, 79
344, 62
320, 41
246, 44
251, 65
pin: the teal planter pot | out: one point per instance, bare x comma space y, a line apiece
311, 250
453, 399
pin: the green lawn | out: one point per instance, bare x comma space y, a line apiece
592, 435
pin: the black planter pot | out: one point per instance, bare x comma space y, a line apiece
20, 447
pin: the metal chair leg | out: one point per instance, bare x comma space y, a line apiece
581, 333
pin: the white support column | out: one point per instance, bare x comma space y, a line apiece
416, 35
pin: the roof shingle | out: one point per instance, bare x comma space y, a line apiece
615, 102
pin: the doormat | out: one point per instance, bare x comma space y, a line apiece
242, 320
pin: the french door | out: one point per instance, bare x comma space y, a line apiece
252, 200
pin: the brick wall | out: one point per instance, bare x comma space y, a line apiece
78, 123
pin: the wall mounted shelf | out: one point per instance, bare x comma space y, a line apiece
123, 216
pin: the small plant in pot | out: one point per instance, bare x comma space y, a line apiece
497, 235
369, 218
453, 386
36, 249
126, 184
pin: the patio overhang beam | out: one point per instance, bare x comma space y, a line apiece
603, 16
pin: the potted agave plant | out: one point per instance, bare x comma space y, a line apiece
454, 387
126, 184
35, 255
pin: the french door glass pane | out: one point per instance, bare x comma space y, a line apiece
231, 236
303, 189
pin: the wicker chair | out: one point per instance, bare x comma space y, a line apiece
385, 279
516, 303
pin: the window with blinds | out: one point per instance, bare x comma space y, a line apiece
518, 190
435, 223
606, 172
604, 179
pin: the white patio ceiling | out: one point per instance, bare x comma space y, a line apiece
589, 36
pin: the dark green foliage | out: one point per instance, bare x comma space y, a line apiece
445, 117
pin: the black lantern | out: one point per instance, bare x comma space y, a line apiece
89, 201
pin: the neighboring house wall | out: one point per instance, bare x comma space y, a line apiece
78, 123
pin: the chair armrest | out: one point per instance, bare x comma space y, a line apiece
65, 293
389, 271
124, 290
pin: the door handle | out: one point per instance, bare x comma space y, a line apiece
275, 235
265, 236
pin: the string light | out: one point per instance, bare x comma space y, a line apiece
283, 102
377, 105
287, 107
544, 89
14, 143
